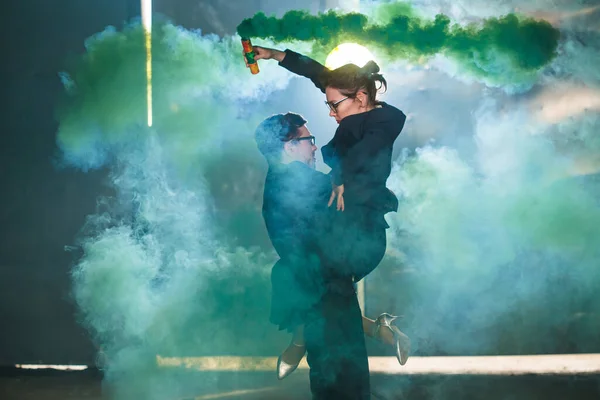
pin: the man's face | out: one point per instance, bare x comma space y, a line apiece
302, 148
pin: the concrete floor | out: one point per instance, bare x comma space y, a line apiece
87, 385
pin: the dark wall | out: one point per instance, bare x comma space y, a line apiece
42, 208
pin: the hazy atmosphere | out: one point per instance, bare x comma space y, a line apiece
144, 241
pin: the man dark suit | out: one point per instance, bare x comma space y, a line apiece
308, 287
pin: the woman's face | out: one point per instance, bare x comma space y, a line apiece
341, 106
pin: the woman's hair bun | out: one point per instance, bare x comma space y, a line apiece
370, 68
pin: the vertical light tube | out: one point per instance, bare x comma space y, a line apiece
147, 24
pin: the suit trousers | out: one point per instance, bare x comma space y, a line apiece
335, 346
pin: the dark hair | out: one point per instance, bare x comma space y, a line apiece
350, 79
274, 131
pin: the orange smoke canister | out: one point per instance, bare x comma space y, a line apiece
249, 54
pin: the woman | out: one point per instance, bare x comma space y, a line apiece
360, 158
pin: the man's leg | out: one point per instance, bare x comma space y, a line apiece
336, 351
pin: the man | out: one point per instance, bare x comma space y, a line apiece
308, 288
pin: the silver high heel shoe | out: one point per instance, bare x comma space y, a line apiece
402, 342
284, 369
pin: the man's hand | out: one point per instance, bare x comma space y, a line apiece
337, 193
264, 53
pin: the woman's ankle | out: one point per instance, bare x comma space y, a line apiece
298, 337
370, 327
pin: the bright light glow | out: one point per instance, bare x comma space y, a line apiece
348, 53
558, 17
562, 101
554, 364
360, 294
147, 24
58, 367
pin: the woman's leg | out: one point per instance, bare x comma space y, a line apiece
298, 336
361, 249
368, 326
293, 354
388, 334
385, 335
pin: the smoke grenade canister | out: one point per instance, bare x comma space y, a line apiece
249, 54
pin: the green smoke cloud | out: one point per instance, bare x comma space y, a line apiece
506, 233
173, 282
197, 82
160, 262
495, 48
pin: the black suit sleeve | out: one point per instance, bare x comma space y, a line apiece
304, 66
351, 154
361, 154
332, 159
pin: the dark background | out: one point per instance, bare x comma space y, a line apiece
42, 208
